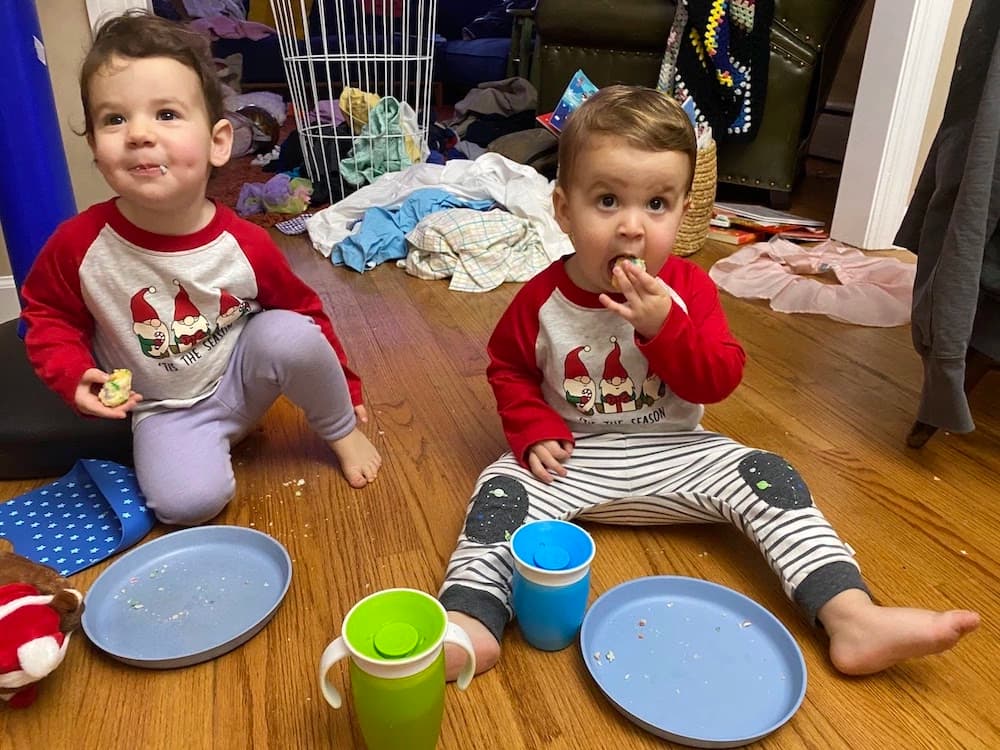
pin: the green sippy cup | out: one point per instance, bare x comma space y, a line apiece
395, 639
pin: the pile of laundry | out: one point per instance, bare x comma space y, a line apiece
480, 222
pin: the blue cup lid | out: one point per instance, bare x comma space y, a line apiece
551, 557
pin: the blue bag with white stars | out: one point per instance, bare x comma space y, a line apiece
92, 513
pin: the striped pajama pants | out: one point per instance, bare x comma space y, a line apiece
645, 479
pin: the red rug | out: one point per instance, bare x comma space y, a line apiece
226, 182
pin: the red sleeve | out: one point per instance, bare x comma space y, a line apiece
59, 327
514, 374
695, 353
279, 288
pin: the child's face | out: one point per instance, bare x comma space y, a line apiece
622, 201
152, 140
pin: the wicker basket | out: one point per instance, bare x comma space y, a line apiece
694, 228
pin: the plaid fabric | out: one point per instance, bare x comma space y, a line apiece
478, 250
293, 226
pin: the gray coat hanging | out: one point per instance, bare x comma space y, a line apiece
952, 226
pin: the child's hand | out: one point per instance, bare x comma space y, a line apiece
87, 402
361, 414
647, 300
546, 458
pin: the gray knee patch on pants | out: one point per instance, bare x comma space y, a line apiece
500, 506
774, 481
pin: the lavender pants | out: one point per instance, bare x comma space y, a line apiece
182, 456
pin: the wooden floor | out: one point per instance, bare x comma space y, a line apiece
836, 400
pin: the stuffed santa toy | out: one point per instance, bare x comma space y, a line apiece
37, 614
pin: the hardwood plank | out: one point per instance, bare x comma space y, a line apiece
834, 399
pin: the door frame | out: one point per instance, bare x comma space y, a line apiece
903, 53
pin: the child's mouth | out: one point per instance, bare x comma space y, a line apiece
149, 169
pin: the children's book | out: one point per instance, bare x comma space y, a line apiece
580, 89
732, 235
794, 232
764, 215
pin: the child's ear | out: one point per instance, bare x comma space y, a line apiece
560, 207
222, 142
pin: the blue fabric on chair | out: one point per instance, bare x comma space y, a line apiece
95, 511
467, 63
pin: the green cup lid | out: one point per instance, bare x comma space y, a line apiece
551, 557
395, 624
396, 640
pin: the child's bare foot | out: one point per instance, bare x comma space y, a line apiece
866, 638
359, 459
484, 645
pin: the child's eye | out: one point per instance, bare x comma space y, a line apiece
657, 204
113, 120
608, 201
167, 114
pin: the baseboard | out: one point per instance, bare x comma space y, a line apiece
10, 308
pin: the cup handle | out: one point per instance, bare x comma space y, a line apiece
456, 635
333, 653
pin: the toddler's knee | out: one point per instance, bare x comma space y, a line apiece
498, 509
284, 333
774, 480
191, 505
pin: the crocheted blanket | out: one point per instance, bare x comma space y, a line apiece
717, 54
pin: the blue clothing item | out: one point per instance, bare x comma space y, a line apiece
382, 235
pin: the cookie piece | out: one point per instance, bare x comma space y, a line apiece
116, 391
621, 260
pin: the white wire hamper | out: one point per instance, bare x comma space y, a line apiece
380, 47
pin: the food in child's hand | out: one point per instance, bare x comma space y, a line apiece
623, 259
118, 388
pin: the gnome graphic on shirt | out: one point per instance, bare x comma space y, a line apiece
189, 326
230, 309
578, 385
154, 339
653, 388
616, 387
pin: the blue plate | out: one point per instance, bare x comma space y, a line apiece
692, 661
187, 597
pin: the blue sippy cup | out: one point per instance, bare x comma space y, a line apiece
551, 581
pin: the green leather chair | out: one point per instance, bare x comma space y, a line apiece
622, 41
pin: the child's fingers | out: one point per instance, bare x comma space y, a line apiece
653, 285
93, 376
538, 470
560, 451
554, 466
643, 282
95, 408
623, 277
544, 461
616, 307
